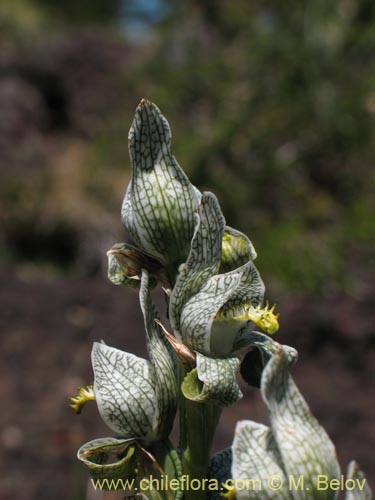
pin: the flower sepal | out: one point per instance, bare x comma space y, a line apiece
125, 264
124, 465
158, 211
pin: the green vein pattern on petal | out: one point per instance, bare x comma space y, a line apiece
237, 250
204, 258
304, 445
110, 458
124, 391
256, 457
162, 357
199, 312
214, 380
125, 263
160, 202
362, 490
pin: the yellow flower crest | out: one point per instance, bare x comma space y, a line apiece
264, 317
85, 394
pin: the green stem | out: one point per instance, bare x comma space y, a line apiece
198, 422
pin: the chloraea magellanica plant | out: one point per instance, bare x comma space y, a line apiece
216, 314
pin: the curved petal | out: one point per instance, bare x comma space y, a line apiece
200, 292
361, 490
124, 387
123, 465
264, 348
198, 315
213, 381
110, 458
125, 264
237, 250
304, 445
204, 258
162, 357
256, 459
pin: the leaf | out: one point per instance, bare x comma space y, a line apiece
160, 202
256, 459
162, 357
362, 490
124, 388
304, 445
213, 381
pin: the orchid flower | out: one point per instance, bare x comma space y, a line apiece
136, 398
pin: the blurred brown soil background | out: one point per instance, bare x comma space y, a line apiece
270, 108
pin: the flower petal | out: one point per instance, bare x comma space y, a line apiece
362, 490
264, 348
125, 264
237, 250
198, 315
257, 459
98, 455
125, 472
125, 392
304, 445
213, 381
162, 357
160, 202
204, 257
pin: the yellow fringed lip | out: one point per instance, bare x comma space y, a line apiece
264, 317
85, 394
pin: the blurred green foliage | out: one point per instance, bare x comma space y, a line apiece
271, 106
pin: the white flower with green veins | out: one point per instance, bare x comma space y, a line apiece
293, 459
137, 399
160, 202
215, 313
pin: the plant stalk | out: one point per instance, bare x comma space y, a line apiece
198, 423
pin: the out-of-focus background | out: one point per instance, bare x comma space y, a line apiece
270, 105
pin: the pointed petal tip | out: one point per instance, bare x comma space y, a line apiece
145, 103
